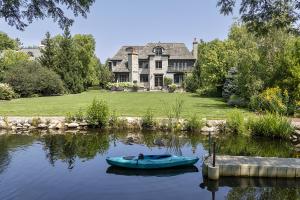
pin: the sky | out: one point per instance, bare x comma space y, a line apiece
114, 23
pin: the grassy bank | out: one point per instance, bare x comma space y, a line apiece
125, 103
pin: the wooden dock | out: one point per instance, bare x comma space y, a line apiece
245, 166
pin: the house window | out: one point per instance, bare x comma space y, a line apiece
114, 63
30, 53
143, 64
178, 78
144, 78
158, 64
158, 80
123, 78
158, 51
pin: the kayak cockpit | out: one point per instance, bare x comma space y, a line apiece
147, 157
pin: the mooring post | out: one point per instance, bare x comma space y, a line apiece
214, 154
209, 144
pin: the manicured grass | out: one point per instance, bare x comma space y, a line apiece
125, 103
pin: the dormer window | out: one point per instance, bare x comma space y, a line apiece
158, 51
30, 53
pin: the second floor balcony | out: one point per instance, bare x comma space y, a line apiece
180, 69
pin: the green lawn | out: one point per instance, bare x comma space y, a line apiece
125, 103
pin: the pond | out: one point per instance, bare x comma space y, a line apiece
72, 166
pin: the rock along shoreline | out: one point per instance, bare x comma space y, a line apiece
19, 124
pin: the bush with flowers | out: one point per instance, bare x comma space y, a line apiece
6, 92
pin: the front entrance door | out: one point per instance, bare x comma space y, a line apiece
158, 80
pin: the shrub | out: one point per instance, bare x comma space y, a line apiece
116, 122
31, 78
208, 91
167, 81
178, 108
272, 100
135, 88
235, 123
194, 124
113, 122
105, 76
6, 92
191, 83
79, 115
148, 120
119, 86
70, 117
98, 114
172, 88
237, 101
297, 109
173, 110
230, 86
271, 125
36, 121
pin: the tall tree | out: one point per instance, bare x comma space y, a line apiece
85, 51
215, 58
68, 66
7, 43
261, 15
19, 13
47, 58
11, 58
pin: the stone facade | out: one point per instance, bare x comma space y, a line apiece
148, 65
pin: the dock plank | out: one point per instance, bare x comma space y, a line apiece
254, 166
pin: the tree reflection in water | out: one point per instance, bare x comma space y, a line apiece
71, 147
8, 144
68, 147
274, 193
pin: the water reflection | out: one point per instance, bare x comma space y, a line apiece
23, 156
153, 172
254, 188
71, 146
10, 143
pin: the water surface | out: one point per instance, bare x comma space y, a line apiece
72, 166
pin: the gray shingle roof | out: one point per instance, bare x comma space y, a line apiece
174, 50
122, 53
121, 67
33, 52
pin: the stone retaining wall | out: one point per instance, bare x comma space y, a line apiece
59, 123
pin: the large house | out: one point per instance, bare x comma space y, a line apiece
147, 65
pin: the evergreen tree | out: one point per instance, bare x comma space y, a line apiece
48, 53
105, 75
68, 66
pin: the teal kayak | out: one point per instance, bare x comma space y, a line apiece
151, 161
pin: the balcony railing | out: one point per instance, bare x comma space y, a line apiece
179, 69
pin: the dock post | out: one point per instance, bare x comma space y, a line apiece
214, 154
209, 144
213, 170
